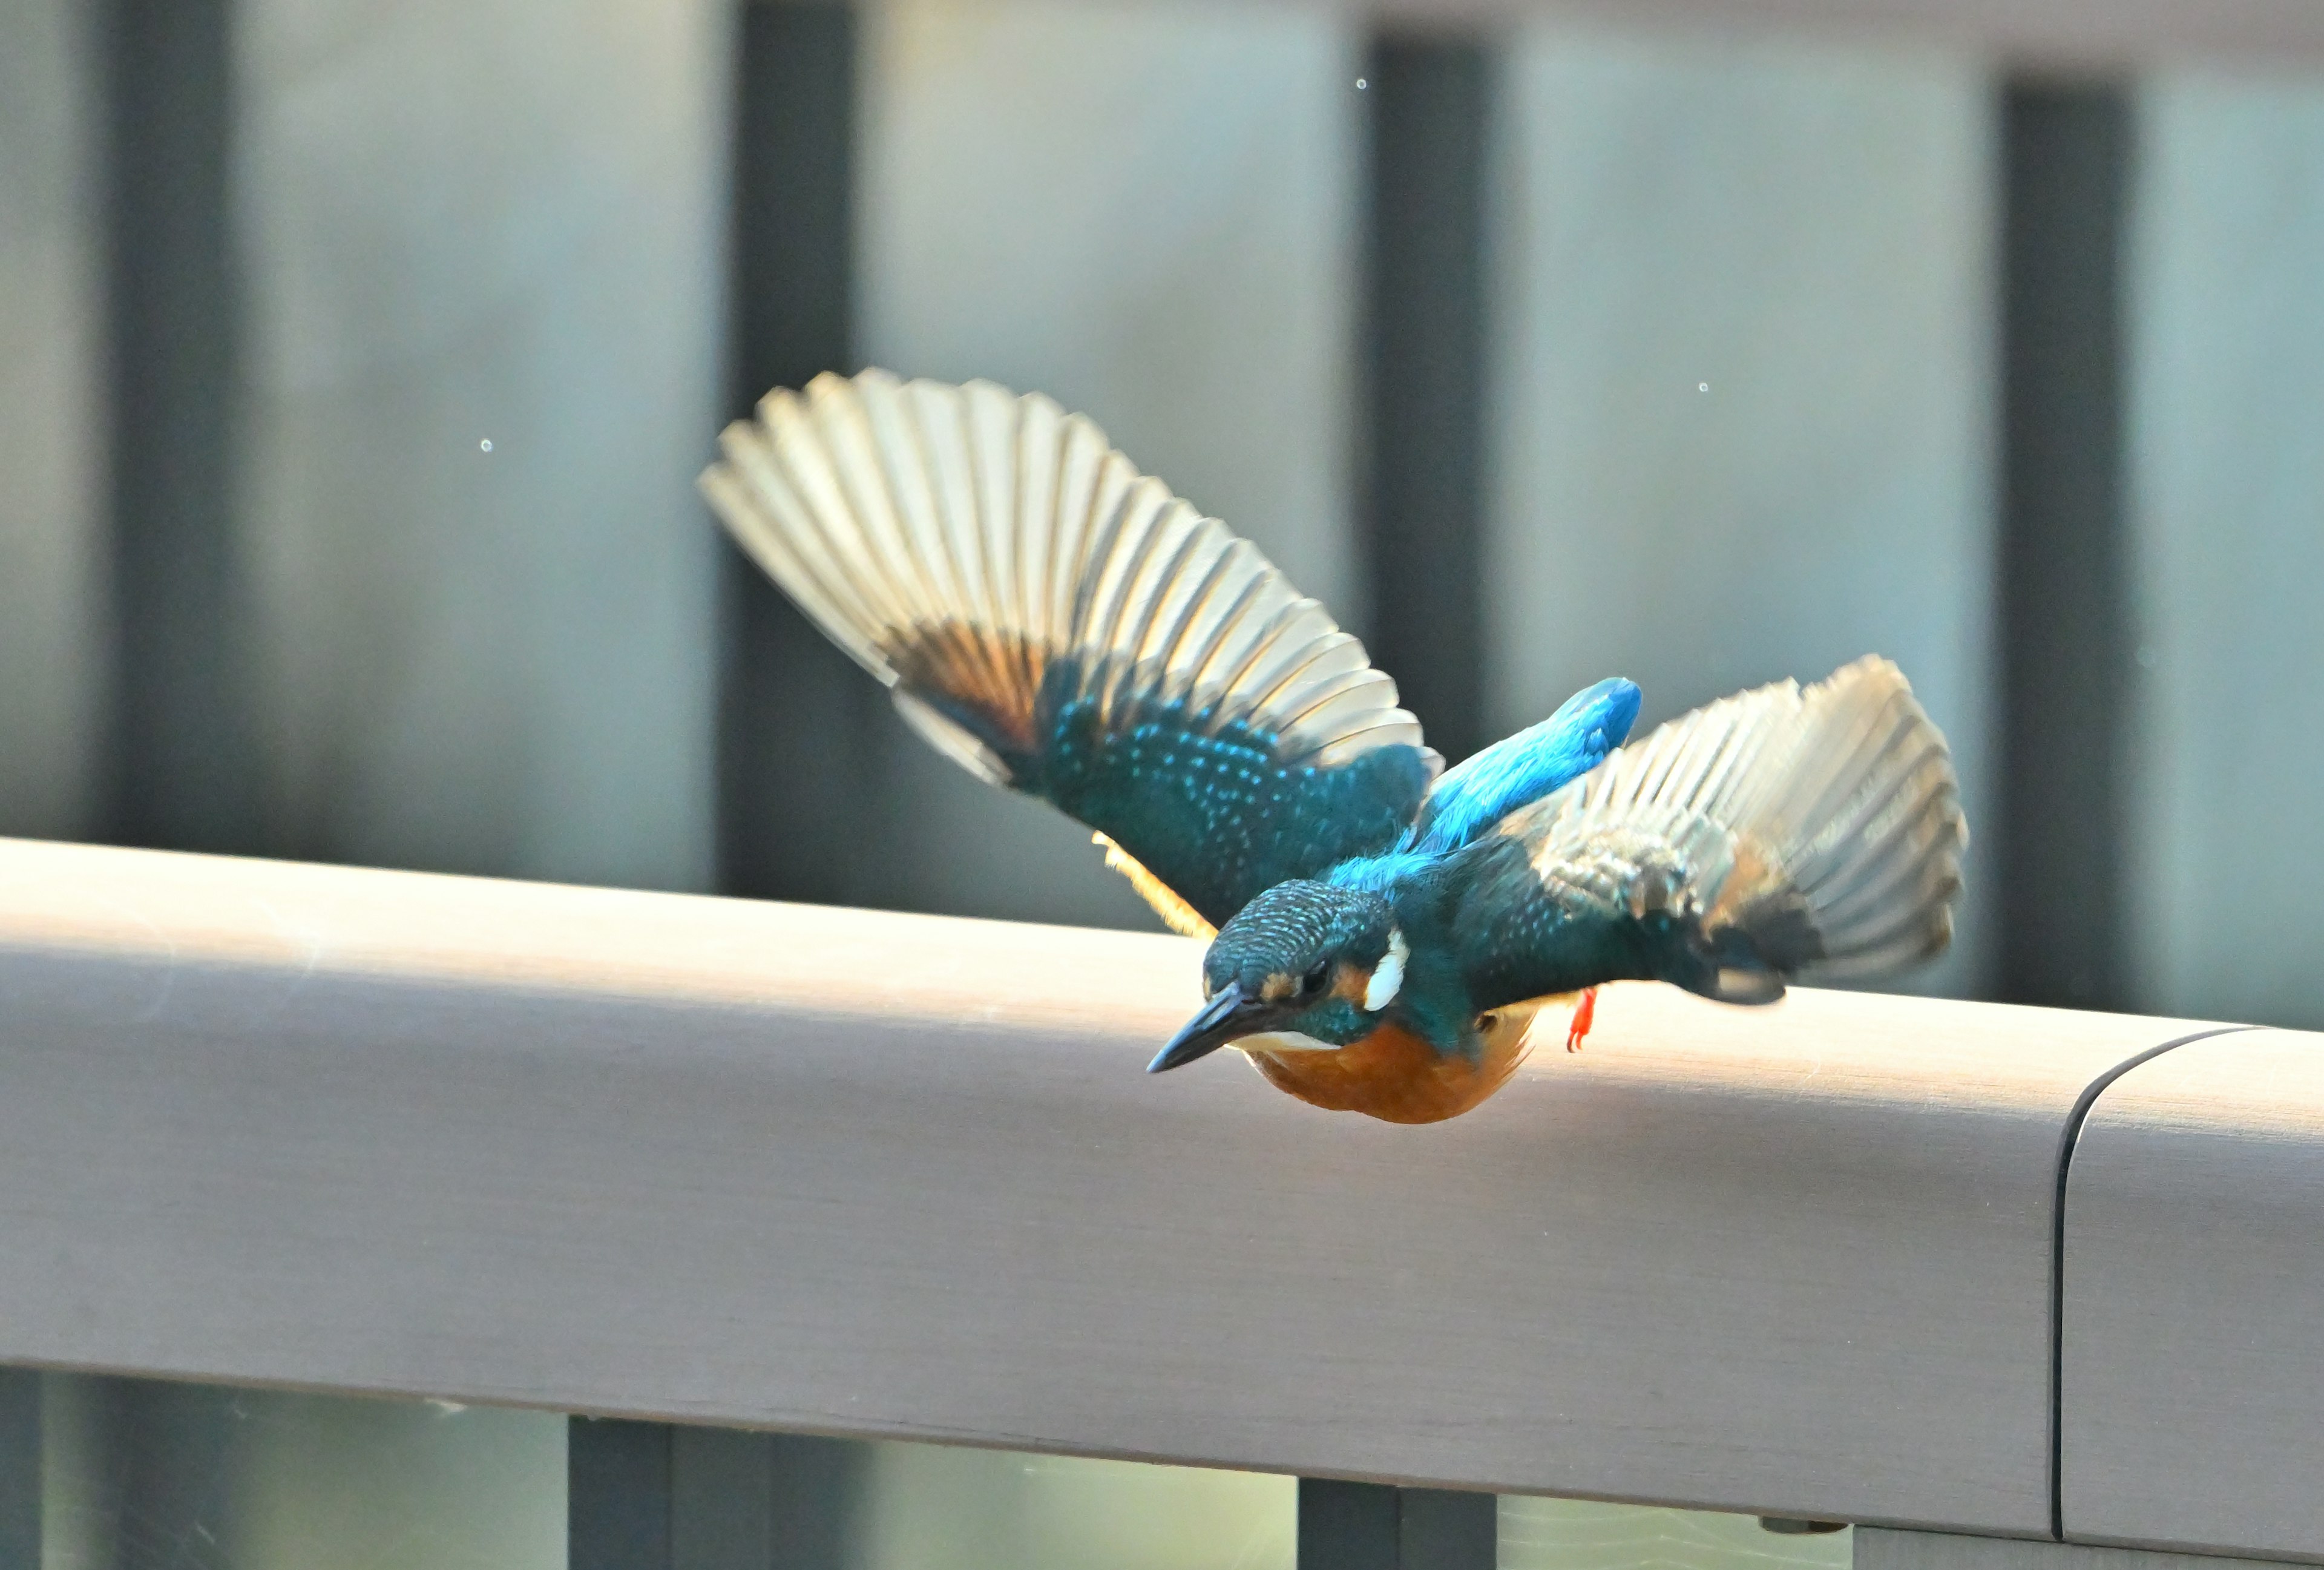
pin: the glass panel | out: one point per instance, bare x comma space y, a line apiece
1565, 1534
133, 1474
2223, 838
142, 1475
1741, 379
937, 1508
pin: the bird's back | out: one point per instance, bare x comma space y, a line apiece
1779, 834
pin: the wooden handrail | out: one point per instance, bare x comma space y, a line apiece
884, 1175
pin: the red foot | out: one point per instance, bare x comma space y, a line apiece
1585, 1013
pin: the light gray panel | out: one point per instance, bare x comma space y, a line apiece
1877, 1548
331, 1483
51, 481
995, 1510
470, 225
176, 1476
2227, 508
657, 1156
2045, 33
1571, 1534
2194, 1330
1146, 212
1805, 232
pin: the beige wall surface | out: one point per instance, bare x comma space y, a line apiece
1806, 233
52, 504
2228, 516
465, 225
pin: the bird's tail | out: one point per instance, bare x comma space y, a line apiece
1818, 831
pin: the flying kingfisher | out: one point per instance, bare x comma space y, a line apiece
1382, 930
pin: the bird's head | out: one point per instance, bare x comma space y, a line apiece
1314, 958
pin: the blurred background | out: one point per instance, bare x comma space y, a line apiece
357, 360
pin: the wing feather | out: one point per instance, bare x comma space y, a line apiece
1779, 833
1061, 624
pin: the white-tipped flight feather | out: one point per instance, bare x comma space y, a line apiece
1836, 803
959, 541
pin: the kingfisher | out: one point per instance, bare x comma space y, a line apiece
1381, 930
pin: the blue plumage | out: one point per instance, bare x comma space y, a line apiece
1064, 627
1525, 767
1208, 809
1515, 772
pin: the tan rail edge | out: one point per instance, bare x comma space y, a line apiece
2065, 34
880, 1175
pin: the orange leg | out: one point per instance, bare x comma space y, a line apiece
1585, 1013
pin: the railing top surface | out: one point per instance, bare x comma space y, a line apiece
700, 951
2193, 1372
2067, 35
885, 1174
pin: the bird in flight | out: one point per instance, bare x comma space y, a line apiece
1381, 930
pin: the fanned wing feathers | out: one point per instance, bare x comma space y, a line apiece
1064, 625
1776, 832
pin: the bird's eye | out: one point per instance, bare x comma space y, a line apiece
1317, 974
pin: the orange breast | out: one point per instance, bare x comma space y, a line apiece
1393, 1074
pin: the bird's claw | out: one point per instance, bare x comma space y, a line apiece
1584, 1014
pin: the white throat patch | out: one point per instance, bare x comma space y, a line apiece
1387, 976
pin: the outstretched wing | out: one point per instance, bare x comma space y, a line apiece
1482, 789
1063, 625
1777, 832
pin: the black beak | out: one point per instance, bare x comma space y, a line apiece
1228, 1016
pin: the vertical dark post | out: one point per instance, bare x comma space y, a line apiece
763, 1501
2061, 594
795, 751
1421, 447
173, 1453
795, 758
618, 1479
1369, 1526
722, 1514
1444, 1529
817, 1492
1423, 442
20, 1467
183, 744
652, 1496
1347, 1525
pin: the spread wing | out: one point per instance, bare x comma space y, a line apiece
1776, 832
1484, 788
1063, 625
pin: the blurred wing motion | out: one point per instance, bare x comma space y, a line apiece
1063, 625
1519, 769
1772, 835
